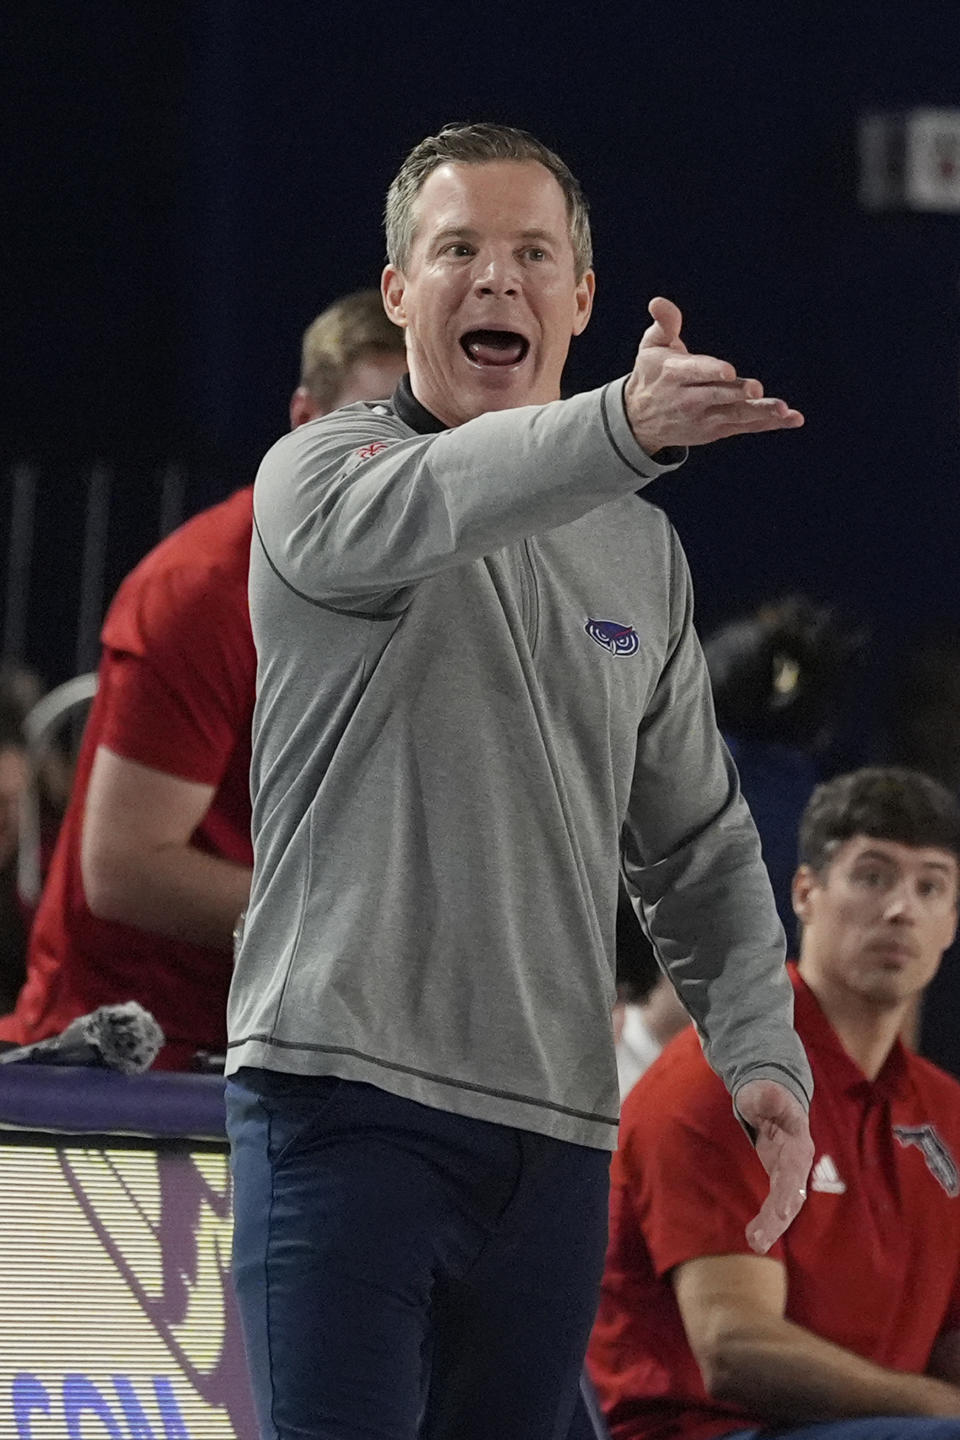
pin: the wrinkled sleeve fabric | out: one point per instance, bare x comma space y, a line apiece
180, 660
692, 864
353, 510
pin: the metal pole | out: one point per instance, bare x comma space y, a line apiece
94, 568
19, 561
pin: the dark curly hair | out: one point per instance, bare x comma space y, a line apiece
885, 802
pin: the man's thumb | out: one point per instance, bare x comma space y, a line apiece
665, 329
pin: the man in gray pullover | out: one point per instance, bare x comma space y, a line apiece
478, 686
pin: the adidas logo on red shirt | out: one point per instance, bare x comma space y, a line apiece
824, 1177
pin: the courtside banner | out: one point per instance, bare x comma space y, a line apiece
117, 1316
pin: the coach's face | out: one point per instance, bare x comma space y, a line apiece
489, 297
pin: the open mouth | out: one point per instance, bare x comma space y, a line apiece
494, 347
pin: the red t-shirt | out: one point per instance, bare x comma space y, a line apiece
176, 692
872, 1260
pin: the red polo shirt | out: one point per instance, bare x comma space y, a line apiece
176, 693
873, 1259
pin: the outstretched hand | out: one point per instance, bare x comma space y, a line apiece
675, 398
786, 1151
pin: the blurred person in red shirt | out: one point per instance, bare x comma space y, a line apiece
153, 861
849, 1328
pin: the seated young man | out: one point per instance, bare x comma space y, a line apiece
849, 1327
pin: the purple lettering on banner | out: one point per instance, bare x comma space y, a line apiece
138, 1425
173, 1424
29, 1396
81, 1395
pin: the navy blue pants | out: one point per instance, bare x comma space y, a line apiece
405, 1272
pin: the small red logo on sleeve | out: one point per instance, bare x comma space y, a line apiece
368, 451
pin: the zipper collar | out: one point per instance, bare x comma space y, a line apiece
412, 413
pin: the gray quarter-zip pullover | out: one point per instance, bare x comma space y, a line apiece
478, 682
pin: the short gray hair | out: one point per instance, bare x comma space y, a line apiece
478, 145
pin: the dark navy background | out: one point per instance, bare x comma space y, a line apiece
185, 185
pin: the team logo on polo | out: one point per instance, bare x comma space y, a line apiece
940, 1162
614, 636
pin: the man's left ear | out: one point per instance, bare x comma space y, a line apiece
584, 302
303, 407
392, 287
803, 882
